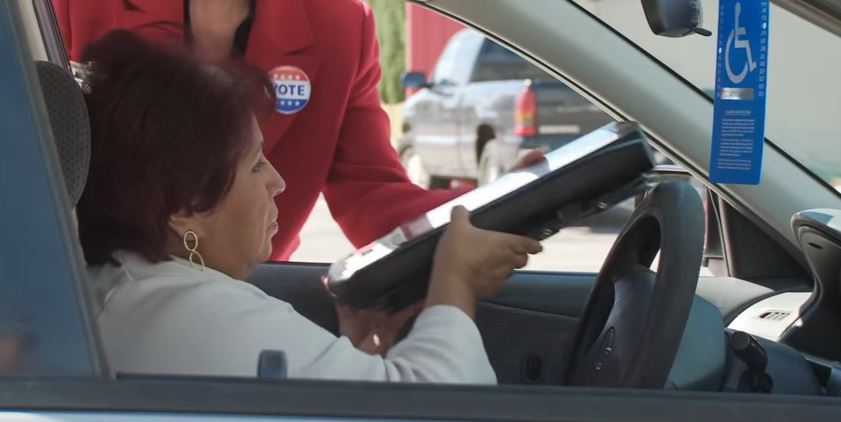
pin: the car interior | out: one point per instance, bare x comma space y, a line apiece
767, 322
573, 340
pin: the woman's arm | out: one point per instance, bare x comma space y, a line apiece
221, 327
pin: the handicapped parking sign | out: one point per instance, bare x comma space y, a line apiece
740, 88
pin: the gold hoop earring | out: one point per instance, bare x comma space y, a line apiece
191, 243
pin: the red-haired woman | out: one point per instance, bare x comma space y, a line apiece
180, 207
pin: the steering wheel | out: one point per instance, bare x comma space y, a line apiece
634, 319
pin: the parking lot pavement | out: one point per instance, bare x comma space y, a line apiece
321, 238
581, 248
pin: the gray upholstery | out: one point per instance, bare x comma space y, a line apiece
69, 123
517, 339
513, 337
299, 285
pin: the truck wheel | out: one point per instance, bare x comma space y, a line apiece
490, 167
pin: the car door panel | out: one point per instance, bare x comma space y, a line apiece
529, 325
437, 137
237, 399
442, 143
526, 327
300, 285
549, 292
525, 346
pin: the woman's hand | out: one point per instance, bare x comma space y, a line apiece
471, 263
375, 331
530, 158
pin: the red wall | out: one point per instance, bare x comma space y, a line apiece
426, 35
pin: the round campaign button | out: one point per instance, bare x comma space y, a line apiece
292, 88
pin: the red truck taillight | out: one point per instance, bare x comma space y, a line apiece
524, 113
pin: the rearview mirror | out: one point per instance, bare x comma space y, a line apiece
414, 80
675, 18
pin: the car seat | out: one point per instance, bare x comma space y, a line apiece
68, 116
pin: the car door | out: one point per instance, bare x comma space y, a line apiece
44, 330
487, 109
436, 130
67, 380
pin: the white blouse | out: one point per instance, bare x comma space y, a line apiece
168, 318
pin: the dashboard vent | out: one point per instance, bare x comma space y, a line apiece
774, 315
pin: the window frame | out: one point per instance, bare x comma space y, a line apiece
357, 400
42, 281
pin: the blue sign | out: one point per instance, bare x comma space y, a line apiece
740, 86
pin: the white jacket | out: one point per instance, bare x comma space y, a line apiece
168, 318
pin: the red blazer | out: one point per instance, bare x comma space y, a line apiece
338, 143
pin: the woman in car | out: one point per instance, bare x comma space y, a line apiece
179, 207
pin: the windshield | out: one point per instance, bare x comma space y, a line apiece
804, 90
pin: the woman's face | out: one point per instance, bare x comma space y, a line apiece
236, 235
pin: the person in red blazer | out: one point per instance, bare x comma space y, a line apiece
329, 132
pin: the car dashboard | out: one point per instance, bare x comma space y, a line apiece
783, 343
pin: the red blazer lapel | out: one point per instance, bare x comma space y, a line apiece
282, 25
158, 20
281, 36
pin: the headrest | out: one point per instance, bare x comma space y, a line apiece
69, 123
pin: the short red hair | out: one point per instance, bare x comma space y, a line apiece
167, 133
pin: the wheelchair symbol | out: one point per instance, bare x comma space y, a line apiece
736, 38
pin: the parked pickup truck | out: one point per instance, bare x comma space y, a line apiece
481, 109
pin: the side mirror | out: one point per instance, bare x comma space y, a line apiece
414, 80
675, 18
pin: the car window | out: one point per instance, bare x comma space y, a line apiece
446, 64
803, 90
562, 115
452, 68
497, 63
